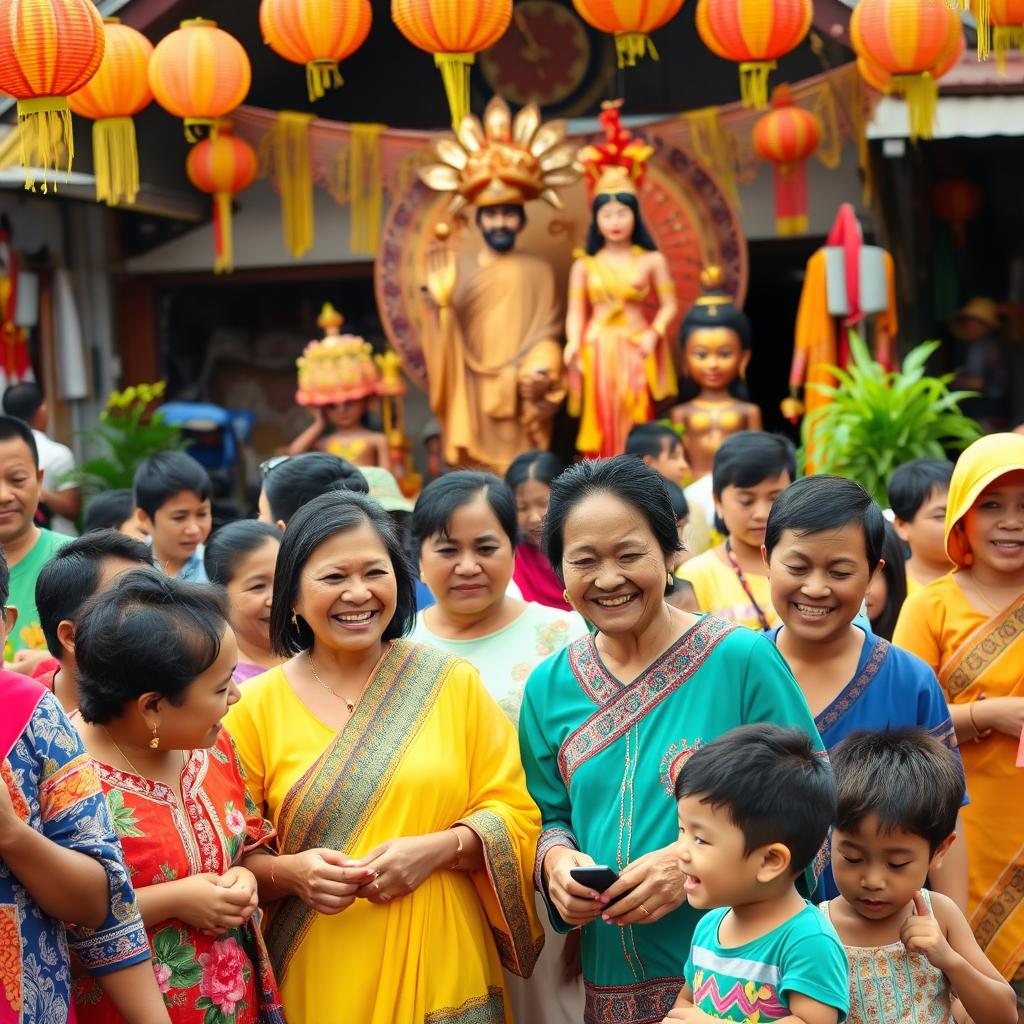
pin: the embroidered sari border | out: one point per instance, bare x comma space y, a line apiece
549, 839
486, 1009
853, 690
1003, 901
982, 649
516, 945
646, 1002
336, 797
630, 704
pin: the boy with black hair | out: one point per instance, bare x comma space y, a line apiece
80, 569
291, 481
917, 495
26, 546
755, 808
172, 499
661, 448
823, 545
751, 470
899, 793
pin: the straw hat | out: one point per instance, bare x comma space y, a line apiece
984, 310
385, 491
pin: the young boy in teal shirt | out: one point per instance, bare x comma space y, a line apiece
755, 807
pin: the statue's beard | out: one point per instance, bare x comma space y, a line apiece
500, 239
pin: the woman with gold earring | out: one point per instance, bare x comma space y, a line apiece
155, 660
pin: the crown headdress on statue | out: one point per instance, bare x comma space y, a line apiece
713, 282
618, 164
503, 161
338, 368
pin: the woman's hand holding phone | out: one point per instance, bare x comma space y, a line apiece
649, 888
576, 904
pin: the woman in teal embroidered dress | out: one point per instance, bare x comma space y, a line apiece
607, 723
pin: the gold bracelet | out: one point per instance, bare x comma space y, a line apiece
974, 724
454, 866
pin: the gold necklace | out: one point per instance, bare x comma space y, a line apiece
978, 591
185, 755
349, 704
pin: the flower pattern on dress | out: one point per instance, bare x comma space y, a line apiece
673, 760
226, 971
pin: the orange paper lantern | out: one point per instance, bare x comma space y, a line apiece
223, 166
957, 202
754, 34
317, 33
881, 80
454, 31
48, 49
1002, 30
111, 98
787, 137
631, 23
910, 40
199, 73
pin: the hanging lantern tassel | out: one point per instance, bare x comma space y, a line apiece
223, 238
791, 199
286, 160
322, 75
921, 93
633, 46
754, 83
44, 125
115, 160
455, 68
1004, 39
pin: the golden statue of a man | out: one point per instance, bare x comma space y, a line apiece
493, 350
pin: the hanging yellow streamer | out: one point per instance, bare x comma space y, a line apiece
633, 46
44, 127
1004, 39
115, 158
754, 83
455, 68
366, 188
921, 93
708, 141
285, 159
830, 149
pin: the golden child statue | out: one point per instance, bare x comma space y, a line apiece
715, 341
619, 362
492, 345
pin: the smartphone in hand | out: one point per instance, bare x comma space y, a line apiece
598, 877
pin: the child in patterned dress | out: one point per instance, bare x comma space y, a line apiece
754, 810
913, 957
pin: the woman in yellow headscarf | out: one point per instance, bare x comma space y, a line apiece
969, 626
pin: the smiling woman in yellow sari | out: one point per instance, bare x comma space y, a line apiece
406, 834
969, 626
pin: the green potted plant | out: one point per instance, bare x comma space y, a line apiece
128, 433
877, 420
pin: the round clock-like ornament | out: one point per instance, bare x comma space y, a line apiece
691, 219
543, 58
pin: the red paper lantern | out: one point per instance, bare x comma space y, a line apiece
113, 96
630, 23
48, 50
317, 33
223, 166
454, 31
200, 74
879, 31
956, 202
754, 34
787, 137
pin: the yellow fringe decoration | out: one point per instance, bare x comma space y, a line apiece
44, 126
115, 158
366, 188
285, 159
921, 93
754, 83
983, 18
708, 141
633, 46
322, 75
454, 69
224, 263
1004, 39
830, 149
789, 226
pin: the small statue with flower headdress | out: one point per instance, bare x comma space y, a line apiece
619, 362
338, 378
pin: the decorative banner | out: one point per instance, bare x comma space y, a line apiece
48, 50
284, 158
631, 24
366, 188
690, 218
114, 95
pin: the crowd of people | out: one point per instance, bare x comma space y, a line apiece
576, 745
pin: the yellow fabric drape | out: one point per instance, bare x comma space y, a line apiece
710, 142
284, 157
366, 188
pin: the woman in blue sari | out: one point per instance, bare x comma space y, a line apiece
607, 723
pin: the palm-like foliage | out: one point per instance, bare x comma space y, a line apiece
129, 433
875, 421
